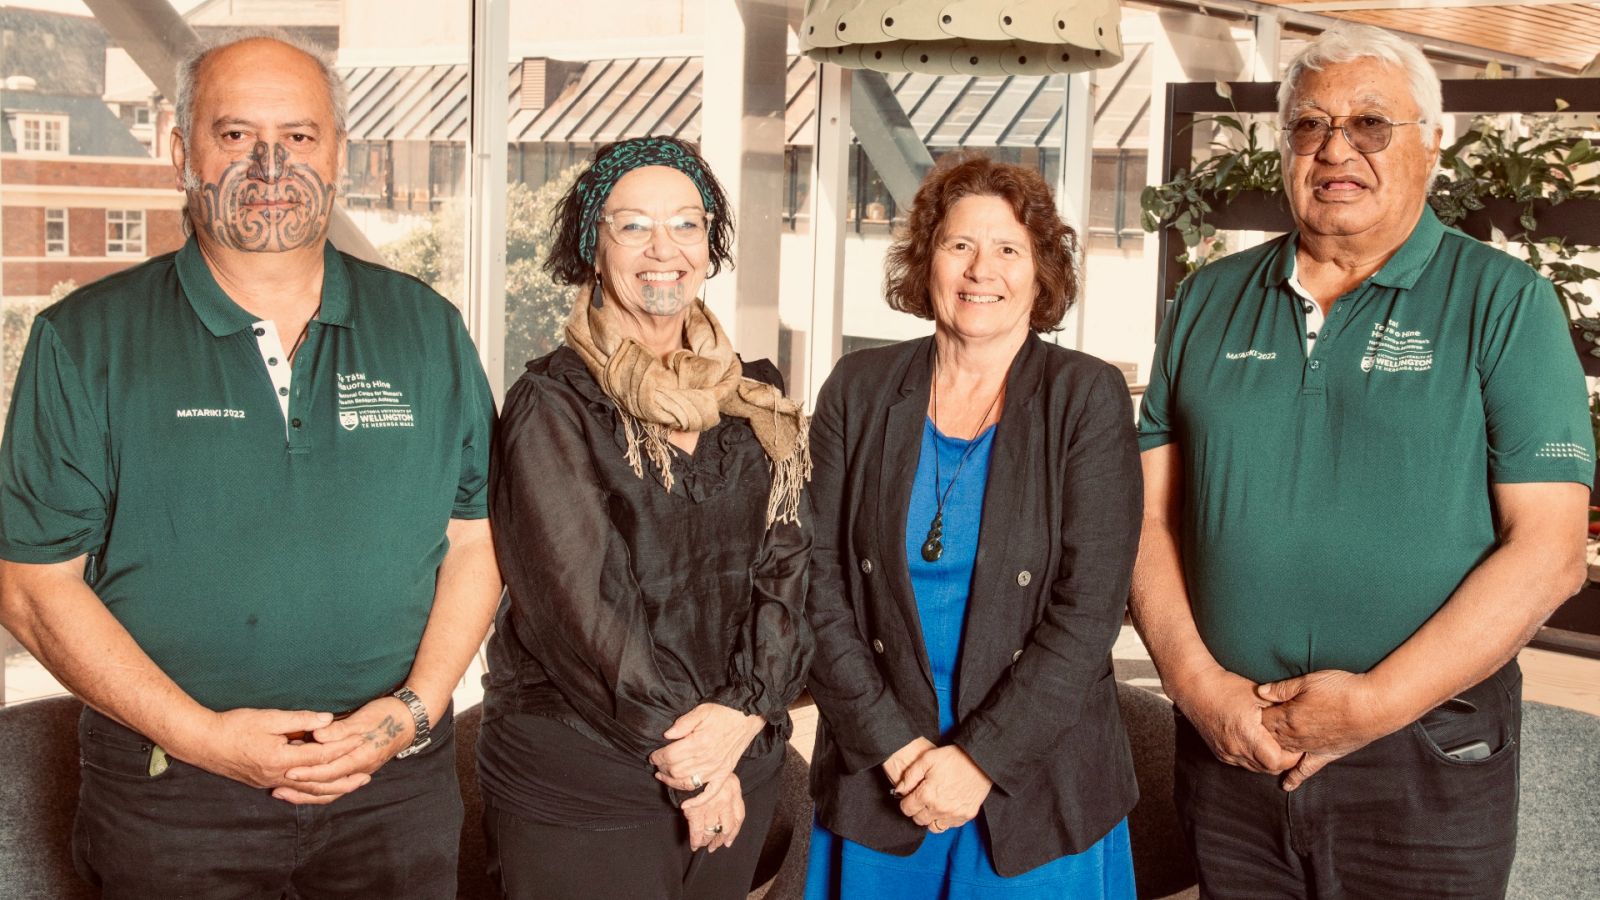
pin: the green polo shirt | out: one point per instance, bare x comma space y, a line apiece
1333, 502
265, 549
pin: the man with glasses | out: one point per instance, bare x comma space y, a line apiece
1367, 458
243, 516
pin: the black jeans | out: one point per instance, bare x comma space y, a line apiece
532, 861
1395, 819
186, 834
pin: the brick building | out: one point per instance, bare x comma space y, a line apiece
80, 196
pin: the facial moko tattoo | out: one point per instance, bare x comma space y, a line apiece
264, 203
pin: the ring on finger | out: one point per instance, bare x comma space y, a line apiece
695, 780
715, 829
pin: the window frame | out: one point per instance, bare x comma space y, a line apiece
124, 218
57, 216
41, 141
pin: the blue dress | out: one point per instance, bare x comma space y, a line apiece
955, 865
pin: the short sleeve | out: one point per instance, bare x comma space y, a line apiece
1535, 401
477, 426
55, 485
1155, 408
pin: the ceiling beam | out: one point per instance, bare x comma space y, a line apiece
1324, 6
1317, 22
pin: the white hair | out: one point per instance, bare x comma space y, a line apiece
189, 73
1347, 43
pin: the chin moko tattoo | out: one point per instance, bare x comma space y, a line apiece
661, 301
234, 210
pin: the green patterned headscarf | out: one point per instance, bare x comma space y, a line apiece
596, 183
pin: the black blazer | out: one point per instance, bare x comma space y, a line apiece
1036, 704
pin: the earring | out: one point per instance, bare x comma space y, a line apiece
597, 299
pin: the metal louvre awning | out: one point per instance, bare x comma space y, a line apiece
408, 103
614, 99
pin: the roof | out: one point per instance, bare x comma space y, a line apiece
630, 97
92, 130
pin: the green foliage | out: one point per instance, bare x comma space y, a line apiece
536, 307
1243, 159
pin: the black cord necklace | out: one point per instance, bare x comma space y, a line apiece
933, 547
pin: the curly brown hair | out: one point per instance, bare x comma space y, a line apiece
1055, 245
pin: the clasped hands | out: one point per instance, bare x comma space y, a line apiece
939, 787
1292, 727
303, 756
707, 742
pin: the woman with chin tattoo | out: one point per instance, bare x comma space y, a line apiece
646, 500
978, 501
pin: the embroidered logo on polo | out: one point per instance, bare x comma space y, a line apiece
1393, 348
1252, 354
372, 403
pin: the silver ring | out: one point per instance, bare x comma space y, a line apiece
715, 829
695, 780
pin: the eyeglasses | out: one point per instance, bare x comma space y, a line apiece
1365, 133
632, 229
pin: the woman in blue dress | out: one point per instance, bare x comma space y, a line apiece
977, 498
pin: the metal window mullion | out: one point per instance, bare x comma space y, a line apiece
485, 264
830, 160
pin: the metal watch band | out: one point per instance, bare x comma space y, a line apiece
419, 715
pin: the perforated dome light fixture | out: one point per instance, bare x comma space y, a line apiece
964, 37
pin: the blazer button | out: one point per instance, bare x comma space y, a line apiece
1016, 656
1024, 578
866, 567
877, 645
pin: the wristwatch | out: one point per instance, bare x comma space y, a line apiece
419, 715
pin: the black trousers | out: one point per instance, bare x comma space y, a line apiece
1398, 818
186, 834
532, 861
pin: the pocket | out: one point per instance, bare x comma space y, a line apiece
1496, 721
110, 749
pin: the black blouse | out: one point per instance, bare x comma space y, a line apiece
629, 605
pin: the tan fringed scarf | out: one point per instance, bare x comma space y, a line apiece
690, 392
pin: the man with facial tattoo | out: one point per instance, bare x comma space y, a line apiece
242, 516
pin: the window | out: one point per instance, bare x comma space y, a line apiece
55, 232
42, 134
124, 232
141, 115
1116, 180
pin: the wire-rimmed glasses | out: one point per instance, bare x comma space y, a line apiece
1365, 133
631, 228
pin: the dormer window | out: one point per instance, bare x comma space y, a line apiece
41, 134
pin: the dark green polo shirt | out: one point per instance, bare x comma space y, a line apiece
1333, 502
260, 557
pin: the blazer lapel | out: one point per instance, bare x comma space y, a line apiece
995, 571
902, 446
